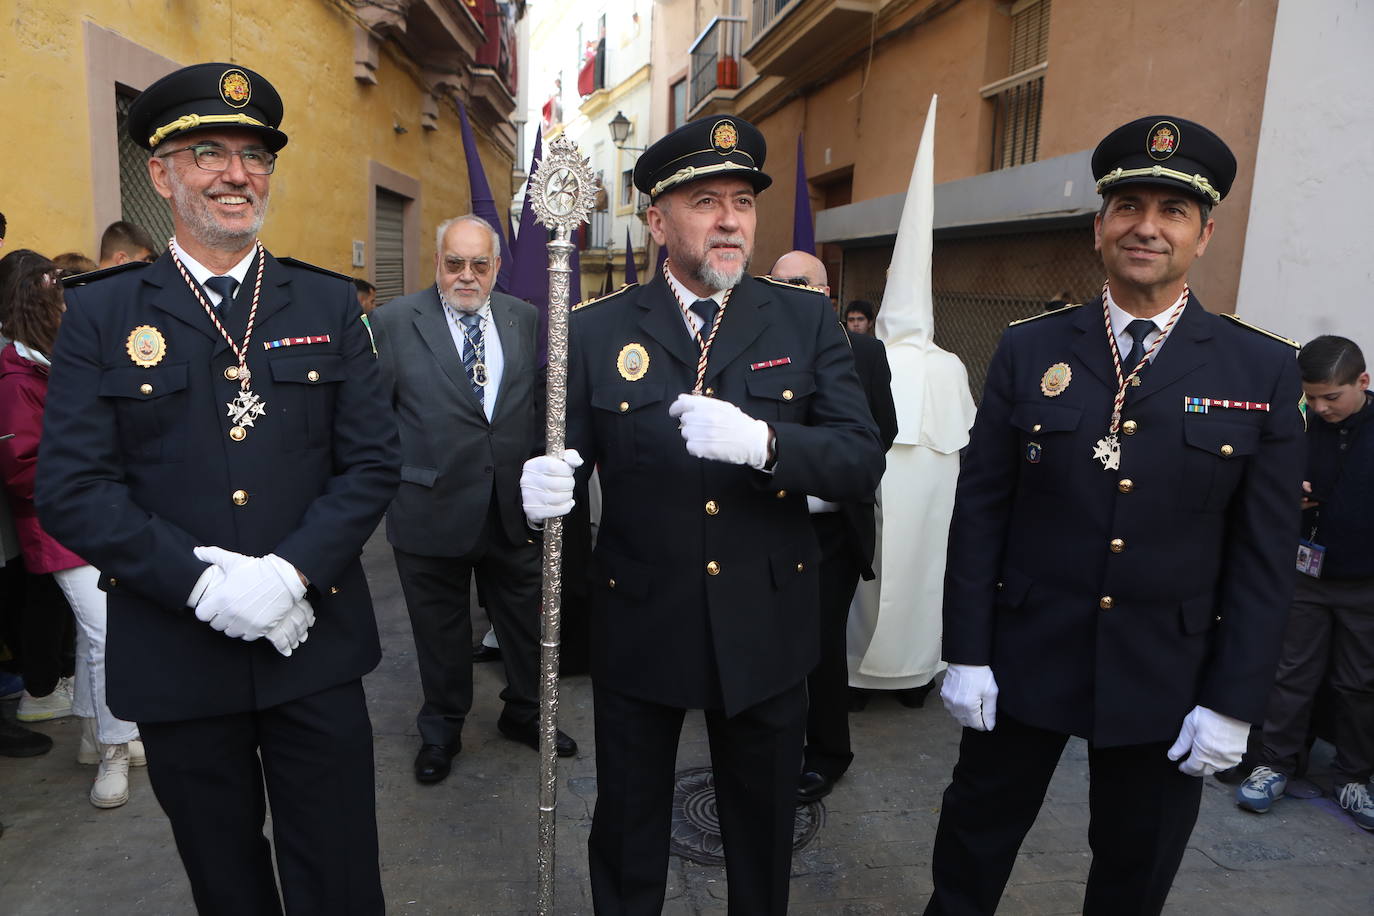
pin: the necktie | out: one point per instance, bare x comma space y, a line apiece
1138, 329
705, 309
472, 344
225, 287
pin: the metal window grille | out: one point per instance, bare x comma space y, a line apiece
139, 203
765, 11
389, 259
1016, 118
982, 283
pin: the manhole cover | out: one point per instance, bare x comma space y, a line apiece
696, 826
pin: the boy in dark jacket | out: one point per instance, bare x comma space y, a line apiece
1330, 631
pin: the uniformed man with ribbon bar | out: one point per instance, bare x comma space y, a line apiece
217, 444
1120, 564
712, 403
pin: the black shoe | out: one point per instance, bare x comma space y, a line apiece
813, 786
485, 653
914, 697
858, 698
433, 763
17, 741
528, 734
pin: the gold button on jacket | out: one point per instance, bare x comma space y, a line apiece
240, 497
713, 568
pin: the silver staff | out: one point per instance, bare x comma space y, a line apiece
563, 191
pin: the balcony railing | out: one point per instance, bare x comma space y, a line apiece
598, 231
1017, 101
716, 58
765, 11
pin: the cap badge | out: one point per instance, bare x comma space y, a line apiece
632, 362
1055, 380
724, 137
146, 346
1163, 140
234, 88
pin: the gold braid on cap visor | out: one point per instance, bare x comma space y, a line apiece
1196, 182
693, 172
191, 122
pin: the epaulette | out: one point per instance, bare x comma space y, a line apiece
776, 282
586, 302
1258, 330
294, 262
91, 276
1060, 310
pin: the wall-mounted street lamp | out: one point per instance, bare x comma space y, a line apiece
620, 132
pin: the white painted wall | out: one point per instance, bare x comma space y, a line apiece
1308, 267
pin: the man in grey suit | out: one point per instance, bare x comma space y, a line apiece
459, 366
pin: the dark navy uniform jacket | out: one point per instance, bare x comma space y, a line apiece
136, 469
705, 588
1109, 603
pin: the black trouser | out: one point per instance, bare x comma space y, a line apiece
46, 632
315, 754
827, 716
1142, 812
436, 590
754, 756
1330, 637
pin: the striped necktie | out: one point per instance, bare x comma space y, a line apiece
472, 350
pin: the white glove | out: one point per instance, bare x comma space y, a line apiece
720, 431
970, 694
254, 595
294, 628
546, 486
1213, 742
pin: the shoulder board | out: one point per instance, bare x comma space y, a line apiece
1236, 319
293, 262
586, 302
91, 276
775, 282
1058, 311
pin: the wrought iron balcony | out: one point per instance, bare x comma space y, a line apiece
716, 59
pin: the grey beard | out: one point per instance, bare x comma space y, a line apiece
203, 226
718, 279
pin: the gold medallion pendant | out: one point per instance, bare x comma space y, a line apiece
146, 346
1055, 380
632, 362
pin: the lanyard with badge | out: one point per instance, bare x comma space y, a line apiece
1108, 448
247, 406
1311, 555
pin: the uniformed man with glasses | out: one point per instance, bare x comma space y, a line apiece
217, 447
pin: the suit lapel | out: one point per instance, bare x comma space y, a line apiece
1092, 348
662, 320
1182, 352
743, 322
171, 294
432, 324
504, 321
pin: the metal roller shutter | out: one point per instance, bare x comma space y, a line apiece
389, 260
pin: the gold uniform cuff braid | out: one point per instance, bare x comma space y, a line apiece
1197, 182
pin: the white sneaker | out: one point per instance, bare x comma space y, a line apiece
56, 705
111, 787
89, 752
1354, 797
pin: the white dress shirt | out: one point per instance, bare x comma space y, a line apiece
200, 273
493, 357
1124, 341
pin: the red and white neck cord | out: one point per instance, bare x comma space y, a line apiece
703, 343
241, 352
1122, 382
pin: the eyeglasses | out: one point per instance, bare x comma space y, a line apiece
480, 266
214, 158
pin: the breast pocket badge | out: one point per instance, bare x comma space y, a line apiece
632, 362
1033, 452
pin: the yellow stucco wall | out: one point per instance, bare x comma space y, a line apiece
337, 125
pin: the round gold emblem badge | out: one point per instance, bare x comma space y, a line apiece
234, 88
1163, 140
1055, 380
146, 346
632, 362
724, 137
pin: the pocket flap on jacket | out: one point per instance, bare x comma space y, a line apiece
1042, 417
308, 368
773, 385
142, 384
1216, 436
623, 576
626, 397
425, 477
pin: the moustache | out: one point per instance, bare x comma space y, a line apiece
725, 241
